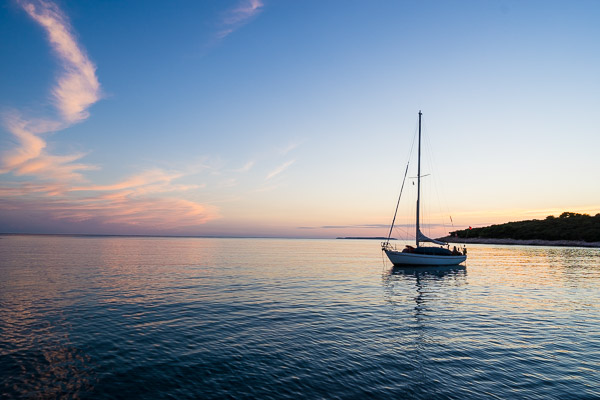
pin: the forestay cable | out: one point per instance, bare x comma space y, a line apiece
401, 189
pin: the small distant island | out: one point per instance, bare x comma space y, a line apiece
569, 229
366, 237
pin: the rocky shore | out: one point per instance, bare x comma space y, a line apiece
533, 242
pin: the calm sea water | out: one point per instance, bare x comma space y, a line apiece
118, 317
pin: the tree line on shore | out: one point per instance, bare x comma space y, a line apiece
568, 226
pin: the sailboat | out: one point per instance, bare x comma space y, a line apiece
421, 255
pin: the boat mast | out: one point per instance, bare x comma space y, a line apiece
419, 180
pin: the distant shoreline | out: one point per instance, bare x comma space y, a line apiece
365, 238
515, 242
448, 239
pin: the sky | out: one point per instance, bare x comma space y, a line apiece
295, 118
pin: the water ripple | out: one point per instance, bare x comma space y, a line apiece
275, 319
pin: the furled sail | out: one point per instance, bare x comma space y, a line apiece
423, 238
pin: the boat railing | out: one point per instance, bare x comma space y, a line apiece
387, 246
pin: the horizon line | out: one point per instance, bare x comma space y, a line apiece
164, 236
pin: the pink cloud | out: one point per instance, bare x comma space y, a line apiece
146, 213
30, 145
30, 157
136, 203
118, 210
78, 87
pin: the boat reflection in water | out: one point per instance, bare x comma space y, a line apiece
429, 281
432, 288
431, 271
425, 310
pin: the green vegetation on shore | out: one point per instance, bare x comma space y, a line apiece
568, 226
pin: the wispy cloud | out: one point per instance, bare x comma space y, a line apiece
57, 189
143, 202
154, 177
120, 210
247, 167
279, 169
238, 16
285, 150
30, 144
135, 201
29, 156
124, 208
78, 86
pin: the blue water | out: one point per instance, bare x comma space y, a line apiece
152, 318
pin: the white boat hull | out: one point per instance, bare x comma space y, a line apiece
400, 258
